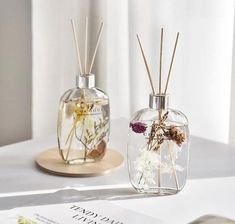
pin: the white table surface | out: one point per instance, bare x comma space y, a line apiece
209, 190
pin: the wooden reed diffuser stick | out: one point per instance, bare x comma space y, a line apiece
86, 41
160, 65
77, 46
146, 65
172, 60
160, 111
96, 47
170, 147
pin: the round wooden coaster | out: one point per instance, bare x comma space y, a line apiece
50, 161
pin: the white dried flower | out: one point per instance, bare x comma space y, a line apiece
147, 160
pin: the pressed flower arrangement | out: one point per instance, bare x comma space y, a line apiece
158, 140
83, 118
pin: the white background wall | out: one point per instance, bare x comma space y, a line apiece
15, 71
232, 100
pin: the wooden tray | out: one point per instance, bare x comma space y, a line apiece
51, 162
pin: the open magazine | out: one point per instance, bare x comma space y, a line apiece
72, 207
92, 212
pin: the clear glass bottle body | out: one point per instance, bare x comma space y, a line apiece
83, 125
158, 151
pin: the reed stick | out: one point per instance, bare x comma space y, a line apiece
86, 41
70, 142
77, 46
172, 60
160, 64
159, 170
173, 166
160, 111
146, 65
96, 46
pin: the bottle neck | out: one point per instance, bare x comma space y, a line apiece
159, 101
85, 81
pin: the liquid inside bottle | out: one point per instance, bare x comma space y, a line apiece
83, 125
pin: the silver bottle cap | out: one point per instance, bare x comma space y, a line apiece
158, 101
85, 81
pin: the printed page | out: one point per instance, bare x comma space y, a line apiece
92, 212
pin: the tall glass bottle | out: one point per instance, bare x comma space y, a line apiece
158, 148
83, 122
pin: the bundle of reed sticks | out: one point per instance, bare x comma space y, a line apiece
160, 65
86, 70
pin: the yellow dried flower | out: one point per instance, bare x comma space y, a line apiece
81, 111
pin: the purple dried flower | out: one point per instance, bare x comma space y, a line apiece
138, 127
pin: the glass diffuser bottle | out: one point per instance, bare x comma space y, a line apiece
83, 118
83, 122
158, 141
158, 148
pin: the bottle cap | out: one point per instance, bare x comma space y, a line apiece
85, 81
159, 101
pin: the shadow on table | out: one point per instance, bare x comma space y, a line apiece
69, 196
